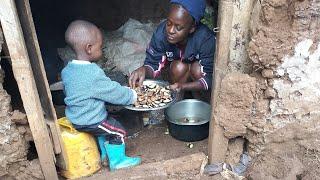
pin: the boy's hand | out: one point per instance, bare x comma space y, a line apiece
176, 87
137, 76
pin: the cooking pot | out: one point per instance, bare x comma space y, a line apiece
188, 120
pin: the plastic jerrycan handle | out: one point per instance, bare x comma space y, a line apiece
66, 124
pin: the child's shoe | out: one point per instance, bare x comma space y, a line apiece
117, 157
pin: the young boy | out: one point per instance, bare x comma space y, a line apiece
87, 89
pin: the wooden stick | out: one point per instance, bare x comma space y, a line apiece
218, 143
24, 76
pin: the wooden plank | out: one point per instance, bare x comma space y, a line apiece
218, 143
158, 170
24, 76
28, 29
26, 20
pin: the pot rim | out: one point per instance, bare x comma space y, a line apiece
186, 123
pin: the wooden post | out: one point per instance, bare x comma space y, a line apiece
239, 60
24, 76
29, 31
218, 143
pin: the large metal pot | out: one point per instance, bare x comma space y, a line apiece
188, 120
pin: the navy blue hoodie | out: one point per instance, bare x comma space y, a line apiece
200, 47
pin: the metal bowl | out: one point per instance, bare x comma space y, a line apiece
160, 83
188, 120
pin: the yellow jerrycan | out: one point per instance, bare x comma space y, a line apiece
83, 158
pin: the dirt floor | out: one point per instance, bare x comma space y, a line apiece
152, 144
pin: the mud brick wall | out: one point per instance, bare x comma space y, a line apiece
276, 107
290, 70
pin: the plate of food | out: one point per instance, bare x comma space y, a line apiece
153, 95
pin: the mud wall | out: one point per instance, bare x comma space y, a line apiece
286, 51
276, 107
13, 140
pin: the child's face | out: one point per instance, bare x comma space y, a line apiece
96, 49
179, 25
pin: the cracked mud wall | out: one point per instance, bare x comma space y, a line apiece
297, 86
13, 144
276, 107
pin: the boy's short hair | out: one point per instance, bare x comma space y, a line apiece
80, 33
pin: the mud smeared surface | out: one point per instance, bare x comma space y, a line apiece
290, 152
298, 82
281, 25
241, 111
276, 108
236, 101
285, 51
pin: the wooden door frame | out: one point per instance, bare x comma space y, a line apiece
218, 143
28, 69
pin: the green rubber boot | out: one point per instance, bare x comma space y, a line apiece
117, 157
